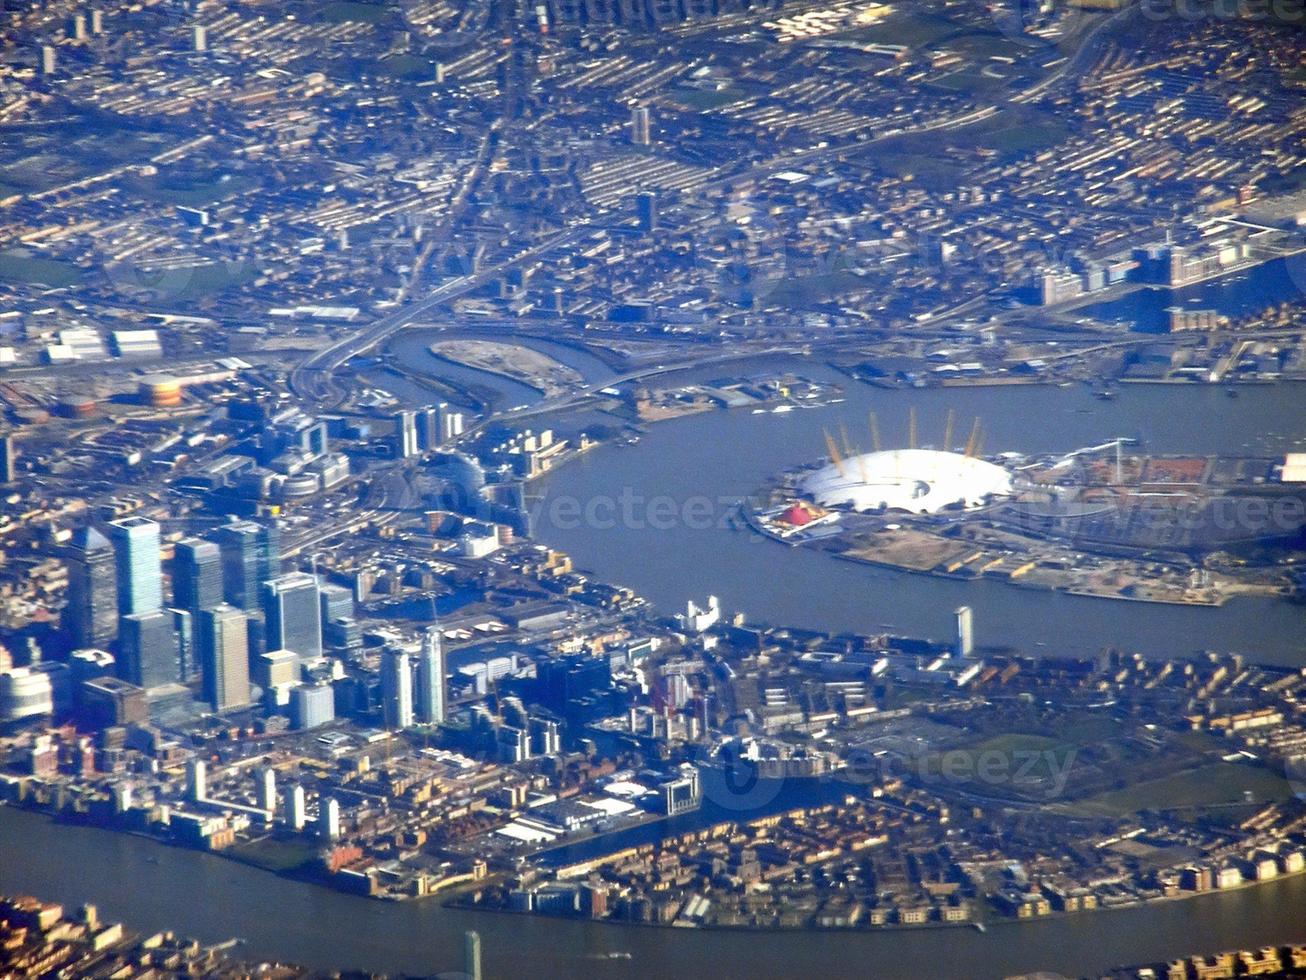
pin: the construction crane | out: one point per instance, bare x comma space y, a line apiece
947, 430
972, 444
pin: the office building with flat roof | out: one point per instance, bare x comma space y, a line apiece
139, 566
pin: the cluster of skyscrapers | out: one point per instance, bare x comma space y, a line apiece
230, 603
426, 429
406, 699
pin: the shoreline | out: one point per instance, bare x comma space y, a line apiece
1063, 590
450, 901
996, 922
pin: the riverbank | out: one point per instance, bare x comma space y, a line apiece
467, 895
1026, 582
289, 921
723, 457
981, 925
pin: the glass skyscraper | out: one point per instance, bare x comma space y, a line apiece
92, 611
430, 679
251, 554
293, 615
140, 569
196, 575
396, 689
147, 649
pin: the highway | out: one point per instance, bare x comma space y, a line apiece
313, 379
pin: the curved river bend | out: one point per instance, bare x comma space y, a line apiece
149, 886
670, 553
727, 455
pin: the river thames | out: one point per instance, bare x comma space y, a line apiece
150, 886
715, 458
718, 458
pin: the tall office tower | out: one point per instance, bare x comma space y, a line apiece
92, 611
293, 615
140, 570
646, 204
965, 632
451, 424
513, 711
396, 689
545, 739
97, 20
295, 809
196, 780
200, 38
148, 650
79, 27
267, 790
428, 427
640, 126
251, 554
222, 642
47, 59
406, 434
437, 424
328, 819
256, 633
430, 679
472, 955
8, 459
183, 626
196, 575
336, 603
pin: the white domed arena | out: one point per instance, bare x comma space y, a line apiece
922, 481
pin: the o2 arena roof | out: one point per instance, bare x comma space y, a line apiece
922, 481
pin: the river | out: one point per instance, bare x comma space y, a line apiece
149, 886
711, 459
721, 456
412, 349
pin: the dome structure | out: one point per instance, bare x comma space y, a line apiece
922, 481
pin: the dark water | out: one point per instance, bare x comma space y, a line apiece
707, 461
412, 349
1283, 280
150, 887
